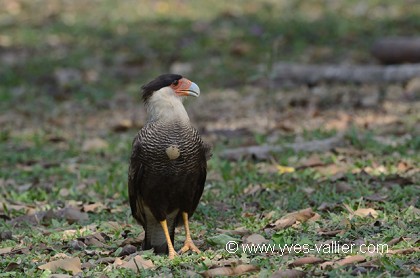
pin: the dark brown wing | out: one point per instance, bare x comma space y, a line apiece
135, 174
202, 174
199, 190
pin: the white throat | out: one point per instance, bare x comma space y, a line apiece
164, 105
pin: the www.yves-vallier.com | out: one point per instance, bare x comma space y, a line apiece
334, 247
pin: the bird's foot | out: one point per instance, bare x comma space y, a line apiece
189, 245
172, 254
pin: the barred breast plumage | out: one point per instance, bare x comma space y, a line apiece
157, 137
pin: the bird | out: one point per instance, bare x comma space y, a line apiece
168, 165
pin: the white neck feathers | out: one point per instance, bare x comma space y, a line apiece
164, 105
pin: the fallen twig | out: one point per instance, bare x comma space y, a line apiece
265, 152
313, 74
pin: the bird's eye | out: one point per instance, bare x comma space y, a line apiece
175, 83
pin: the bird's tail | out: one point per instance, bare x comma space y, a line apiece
155, 237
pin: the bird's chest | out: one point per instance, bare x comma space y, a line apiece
170, 151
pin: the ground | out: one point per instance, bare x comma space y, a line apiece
70, 80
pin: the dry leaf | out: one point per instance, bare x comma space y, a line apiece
266, 168
403, 166
96, 239
72, 215
361, 212
137, 263
33, 219
255, 239
364, 212
127, 250
77, 245
415, 269
94, 144
220, 271
68, 234
95, 207
12, 266
351, 260
376, 197
118, 262
105, 260
312, 161
332, 169
28, 210
71, 264
303, 215
316, 217
294, 217
306, 260
404, 251
284, 223
371, 264
331, 233
230, 271
60, 256
288, 273
269, 215
134, 240
394, 241
5, 250
396, 179
92, 241
346, 261
327, 206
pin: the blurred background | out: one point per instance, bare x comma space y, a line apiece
70, 78
74, 59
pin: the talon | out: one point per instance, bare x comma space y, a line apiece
189, 245
172, 255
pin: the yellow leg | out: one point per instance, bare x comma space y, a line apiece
172, 252
188, 244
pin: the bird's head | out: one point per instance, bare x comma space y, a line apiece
163, 97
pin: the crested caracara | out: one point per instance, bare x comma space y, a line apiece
168, 165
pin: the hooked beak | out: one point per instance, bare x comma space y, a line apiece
187, 88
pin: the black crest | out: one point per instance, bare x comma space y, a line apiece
158, 83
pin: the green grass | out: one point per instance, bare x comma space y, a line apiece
113, 48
